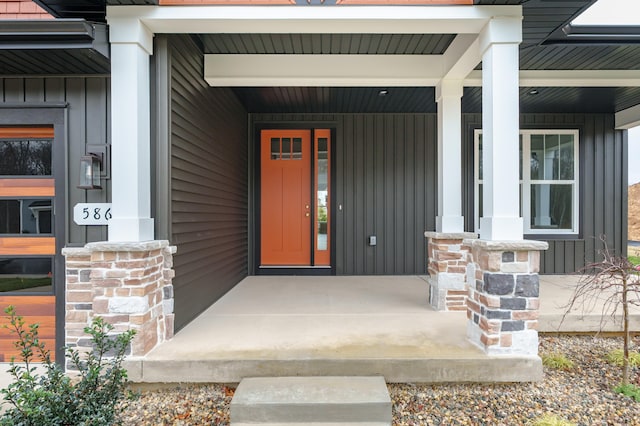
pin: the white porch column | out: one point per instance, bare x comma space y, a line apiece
448, 94
499, 42
131, 45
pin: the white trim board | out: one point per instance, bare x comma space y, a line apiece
428, 19
384, 70
628, 118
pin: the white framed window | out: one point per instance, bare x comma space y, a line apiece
548, 183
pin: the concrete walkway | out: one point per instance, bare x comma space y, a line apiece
555, 294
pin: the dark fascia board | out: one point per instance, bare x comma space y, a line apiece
91, 10
54, 34
595, 35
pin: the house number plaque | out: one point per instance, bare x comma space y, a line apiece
92, 213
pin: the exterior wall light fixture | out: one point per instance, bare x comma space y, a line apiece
90, 166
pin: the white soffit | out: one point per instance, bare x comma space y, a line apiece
323, 70
296, 19
628, 118
569, 78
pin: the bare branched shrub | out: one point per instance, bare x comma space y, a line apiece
615, 282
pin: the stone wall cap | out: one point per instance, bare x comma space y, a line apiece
516, 245
75, 251
127, 246
450, 235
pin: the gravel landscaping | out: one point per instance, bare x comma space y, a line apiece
581, 395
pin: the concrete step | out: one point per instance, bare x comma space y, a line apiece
301, 400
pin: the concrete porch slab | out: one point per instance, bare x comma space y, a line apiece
328, 326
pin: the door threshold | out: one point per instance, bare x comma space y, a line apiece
294, 270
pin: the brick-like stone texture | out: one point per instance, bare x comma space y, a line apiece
447, 267
503, 303
129, 285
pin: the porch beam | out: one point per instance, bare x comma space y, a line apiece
322, 70
319, 20
568, 78
461, 57
500, 123
448, 97
628, 118
131, 45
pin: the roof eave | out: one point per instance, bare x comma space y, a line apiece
54, 34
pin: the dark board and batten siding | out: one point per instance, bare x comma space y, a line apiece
386, 183
88, 117
208, 149
80, 106
602, 181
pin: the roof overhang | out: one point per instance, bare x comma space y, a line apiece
71, 46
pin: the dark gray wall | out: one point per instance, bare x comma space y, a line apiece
208, 151
603, 187
87, 122
386, 170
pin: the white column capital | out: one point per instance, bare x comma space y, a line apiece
449, 88
130, 31
501, 30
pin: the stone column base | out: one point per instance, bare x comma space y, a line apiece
129, 285
504, 302
448, 258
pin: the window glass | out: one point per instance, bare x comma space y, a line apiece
297, 149
480, 156
551, 206
26, 274
275, 148
322, 194
548, 190
286, 149
551, 157
566, 157
25, 157
521, 153
25, 216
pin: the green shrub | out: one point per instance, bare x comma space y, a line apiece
617, 356
551, 420
629, 390
634, 259
53, 398
557, 361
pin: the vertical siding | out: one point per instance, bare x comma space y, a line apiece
386, 182
87, 109
81, 105
208, 184
603, 186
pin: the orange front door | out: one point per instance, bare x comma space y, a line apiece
285, 231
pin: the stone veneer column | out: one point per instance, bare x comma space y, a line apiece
449, 255
504, 295
129, 285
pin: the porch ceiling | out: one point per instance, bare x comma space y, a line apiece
312, 44
283, 100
